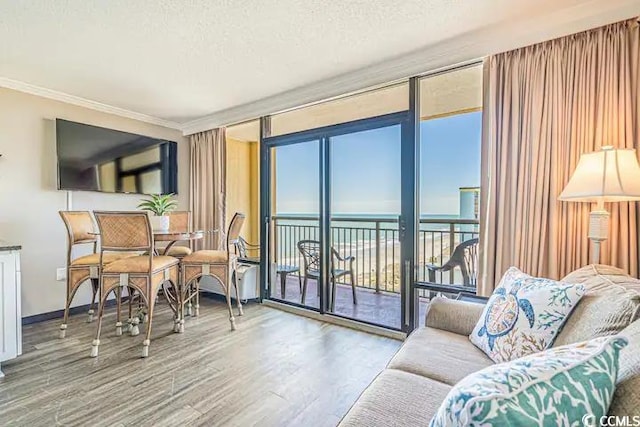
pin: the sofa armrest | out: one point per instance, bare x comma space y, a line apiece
459, 317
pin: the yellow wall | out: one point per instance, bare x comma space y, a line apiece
242, 185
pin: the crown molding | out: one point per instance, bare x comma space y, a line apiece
466, 48
85, 103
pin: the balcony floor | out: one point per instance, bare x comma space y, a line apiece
381, 308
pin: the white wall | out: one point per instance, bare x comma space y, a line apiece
29, 201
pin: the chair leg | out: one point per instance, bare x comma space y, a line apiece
234, 279
232, 319
147, 340
304, 290
65, 319
299, 281
96, 342
95, 283
129, 324
353, 287
333, 293
118, 310
187, 295
197, 305
134, 321
283, 286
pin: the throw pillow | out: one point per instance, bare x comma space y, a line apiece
524, 315
560, 386
626, 399
611, 303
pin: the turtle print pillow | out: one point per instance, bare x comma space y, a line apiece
524, 315
561, 386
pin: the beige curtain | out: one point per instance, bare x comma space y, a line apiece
208, 186
544, 106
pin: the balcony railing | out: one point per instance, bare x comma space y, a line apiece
374, 242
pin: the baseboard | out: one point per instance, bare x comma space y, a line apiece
59, 314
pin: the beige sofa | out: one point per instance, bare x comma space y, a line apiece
435, 357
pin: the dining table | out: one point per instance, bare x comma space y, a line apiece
173, 237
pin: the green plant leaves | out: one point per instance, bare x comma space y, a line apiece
159, 204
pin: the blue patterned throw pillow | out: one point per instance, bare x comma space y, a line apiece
558, 387
524, 315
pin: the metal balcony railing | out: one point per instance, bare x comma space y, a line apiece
374, 242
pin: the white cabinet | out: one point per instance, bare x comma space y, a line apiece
248, 282
10, 305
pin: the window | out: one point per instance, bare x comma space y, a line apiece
450, 137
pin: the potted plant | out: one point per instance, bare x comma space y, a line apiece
159, 205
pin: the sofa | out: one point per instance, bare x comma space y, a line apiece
409, 391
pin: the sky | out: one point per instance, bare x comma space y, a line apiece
365, 169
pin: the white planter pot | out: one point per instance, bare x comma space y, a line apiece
159, 223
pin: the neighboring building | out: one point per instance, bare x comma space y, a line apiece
470, 202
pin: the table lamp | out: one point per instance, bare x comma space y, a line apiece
608, 175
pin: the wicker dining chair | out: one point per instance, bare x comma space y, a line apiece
220, 264
179, 221
310, 251
146, 274
81, 231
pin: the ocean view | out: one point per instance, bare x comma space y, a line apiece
373, 239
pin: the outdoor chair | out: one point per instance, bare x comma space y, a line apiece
310, 250
465, 256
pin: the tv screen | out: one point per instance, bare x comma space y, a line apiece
92, 158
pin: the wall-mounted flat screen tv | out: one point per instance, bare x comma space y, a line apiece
92, 158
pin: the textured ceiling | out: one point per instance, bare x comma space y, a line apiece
181, 60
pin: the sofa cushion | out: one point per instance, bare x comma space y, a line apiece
440, 355
626, 399
610, 304
451, 315
524, 315
397, 398
556, 387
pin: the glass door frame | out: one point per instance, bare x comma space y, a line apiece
409, 157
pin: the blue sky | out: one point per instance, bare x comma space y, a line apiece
366, 169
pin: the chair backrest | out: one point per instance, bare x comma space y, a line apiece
465, 255
80, 227
125, 231
310, 251
235, 227
179, 221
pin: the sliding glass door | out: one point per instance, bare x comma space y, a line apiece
295, 223
333, 214
365, 208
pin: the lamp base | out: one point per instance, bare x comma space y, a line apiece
598, 230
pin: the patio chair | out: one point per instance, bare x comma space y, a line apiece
310, 250
465, 256
244, 250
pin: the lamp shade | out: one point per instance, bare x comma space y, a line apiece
608, 175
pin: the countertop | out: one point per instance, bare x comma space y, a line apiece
8, 246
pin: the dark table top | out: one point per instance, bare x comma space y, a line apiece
8, 246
